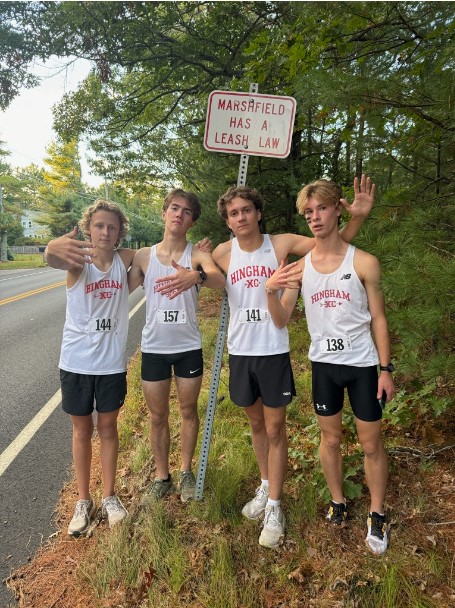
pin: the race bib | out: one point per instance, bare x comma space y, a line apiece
335, 345
95, 325
171, 316
254, 315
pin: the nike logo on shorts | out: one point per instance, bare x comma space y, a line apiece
193, 371
288, 393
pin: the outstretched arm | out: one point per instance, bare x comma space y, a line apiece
360, 208
68, 253
135, 273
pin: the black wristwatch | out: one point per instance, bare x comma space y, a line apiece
202, 274
387, 368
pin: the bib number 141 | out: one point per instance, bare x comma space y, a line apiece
253, 315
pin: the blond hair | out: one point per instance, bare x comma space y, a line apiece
101, 204
323, 189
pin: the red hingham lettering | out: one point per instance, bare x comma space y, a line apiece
251, 271
103, 284
330, 293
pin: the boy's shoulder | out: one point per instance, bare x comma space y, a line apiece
221, 254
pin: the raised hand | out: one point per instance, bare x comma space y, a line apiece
363, 198
67, 252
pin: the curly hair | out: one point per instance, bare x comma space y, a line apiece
102, 204
245, 192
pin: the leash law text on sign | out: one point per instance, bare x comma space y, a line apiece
249, 123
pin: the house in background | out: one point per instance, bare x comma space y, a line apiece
31, 227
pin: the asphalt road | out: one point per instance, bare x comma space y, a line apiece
34, 460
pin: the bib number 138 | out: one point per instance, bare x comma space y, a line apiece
335, 345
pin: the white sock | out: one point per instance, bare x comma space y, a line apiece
273, 503
265, 484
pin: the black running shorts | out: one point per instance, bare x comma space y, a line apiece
157, 367
329, 382
268, 376
82, 392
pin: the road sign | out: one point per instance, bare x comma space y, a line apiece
249, 123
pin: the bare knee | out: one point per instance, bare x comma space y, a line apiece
107, 431
331, 440
276, 433
372, 448
159, 418
189, 412
83, 433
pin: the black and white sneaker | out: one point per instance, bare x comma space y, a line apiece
376, 538
337, 514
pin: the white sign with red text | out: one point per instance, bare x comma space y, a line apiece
249, 123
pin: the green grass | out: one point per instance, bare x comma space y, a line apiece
24, 260
205, 555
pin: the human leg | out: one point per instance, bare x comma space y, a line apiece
274, 520
376, 473
108, 434
82, 452
259, 437
157, 398
254, 509
187, 394
82, 456
330, 454
277, 457
188, 390
375, 460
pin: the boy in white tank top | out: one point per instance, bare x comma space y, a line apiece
93, 360
172, 273
260, 378
342, 296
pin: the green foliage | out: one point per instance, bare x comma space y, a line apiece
63, 213
373, 83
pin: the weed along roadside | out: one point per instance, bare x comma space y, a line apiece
206, 555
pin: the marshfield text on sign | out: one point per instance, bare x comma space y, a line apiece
249, 123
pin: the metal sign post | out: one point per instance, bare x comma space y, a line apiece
218, 358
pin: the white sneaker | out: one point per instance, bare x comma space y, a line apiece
113, 510
376, 538
255, 508
273, 529
83, 514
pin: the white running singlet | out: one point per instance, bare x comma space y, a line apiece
171, 325
336, 310
251, 329
96, 325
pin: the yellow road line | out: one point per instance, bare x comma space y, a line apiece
31, 293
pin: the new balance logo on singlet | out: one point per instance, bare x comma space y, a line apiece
345, 276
